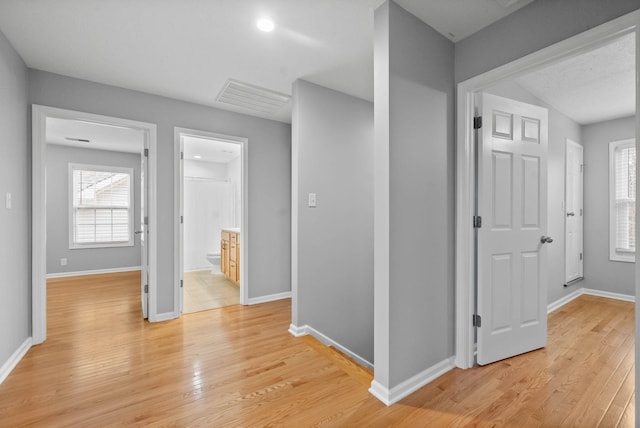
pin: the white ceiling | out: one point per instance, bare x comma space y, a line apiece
592, 87
102, 137
210, 150
188, 49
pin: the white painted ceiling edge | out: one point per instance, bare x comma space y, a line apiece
187, 50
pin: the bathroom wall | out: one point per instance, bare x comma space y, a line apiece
211, 202
234, 175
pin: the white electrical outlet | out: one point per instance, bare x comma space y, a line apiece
63, 261
8, 200
312, 200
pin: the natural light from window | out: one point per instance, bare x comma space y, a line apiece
101, 206
622, 176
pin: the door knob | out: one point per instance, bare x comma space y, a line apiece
545, 240
138, 232
571, 214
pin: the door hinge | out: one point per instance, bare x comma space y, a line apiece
580, 256
146, 153
477, 122
477, 320
146, 220
181, 284
581, 167
146, 288
181, 155
580, 212
477, 221
181, 219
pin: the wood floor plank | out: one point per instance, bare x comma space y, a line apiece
102, 365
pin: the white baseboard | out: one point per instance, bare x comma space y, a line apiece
609, 295
564, 300
306, 329
14, 359
398, 392
269, 298
198, 268
591, 292
298, 331
165, 316
92, 272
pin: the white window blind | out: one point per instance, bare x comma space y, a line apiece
623, 200
101, 206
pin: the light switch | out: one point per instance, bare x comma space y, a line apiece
8, 204
312, 200
63, 261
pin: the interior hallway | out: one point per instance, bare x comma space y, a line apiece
237, 366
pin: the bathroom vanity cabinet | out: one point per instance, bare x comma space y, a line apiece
230, 254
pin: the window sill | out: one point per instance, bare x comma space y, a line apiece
624, 259
105, 245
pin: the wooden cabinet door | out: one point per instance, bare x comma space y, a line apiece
233, 271
224, 257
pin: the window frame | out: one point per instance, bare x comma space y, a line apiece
615, 254
102, 168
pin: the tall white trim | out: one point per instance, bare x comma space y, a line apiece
14, 359
93, 272
39, 209
299, 331
268, 298
553, 306
465, 171
400, 391
178, 207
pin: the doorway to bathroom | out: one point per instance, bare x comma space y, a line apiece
210, 213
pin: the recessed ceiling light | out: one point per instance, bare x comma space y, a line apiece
197, 157
265, 24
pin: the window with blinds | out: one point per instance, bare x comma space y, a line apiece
622, 194
101, 206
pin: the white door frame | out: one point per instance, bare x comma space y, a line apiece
177, 210
39, 207
465, 155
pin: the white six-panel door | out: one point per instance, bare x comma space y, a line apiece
573, 211
512, 201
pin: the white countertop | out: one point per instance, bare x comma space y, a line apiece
231, 229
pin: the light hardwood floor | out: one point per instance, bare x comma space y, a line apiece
238, 367
204, 290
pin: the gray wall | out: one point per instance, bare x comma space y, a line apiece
414, 128
535, 26
269, 170
599, 272
333, 157
58, 160
561, 127
15, 223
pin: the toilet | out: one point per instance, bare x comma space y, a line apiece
214, 259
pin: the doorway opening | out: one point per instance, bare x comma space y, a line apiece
93, 203
211, 215
466, 273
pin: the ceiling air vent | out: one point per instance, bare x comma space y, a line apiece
251, 97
